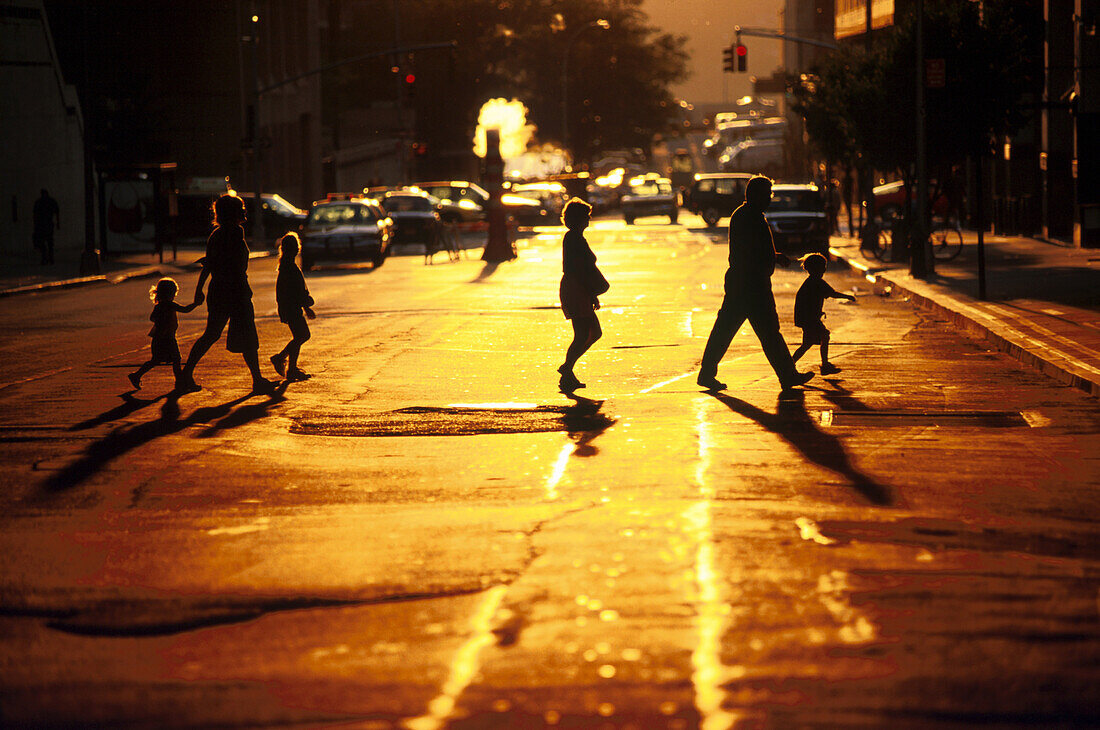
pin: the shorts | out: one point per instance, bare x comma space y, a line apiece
576, 302
299, 330
814, 334
241, 317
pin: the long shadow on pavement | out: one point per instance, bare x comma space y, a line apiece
585, 422
794, 423
124, 439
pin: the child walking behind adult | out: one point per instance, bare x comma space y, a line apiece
293, 299
580, 289
165, 349
808, 306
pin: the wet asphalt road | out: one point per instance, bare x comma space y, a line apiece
427, 534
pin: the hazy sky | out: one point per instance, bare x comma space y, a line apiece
708, 24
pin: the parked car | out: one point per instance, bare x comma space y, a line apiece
715, 195
797, 219
890, 200
465, 202
650, 195
346, 229
414, 213
194, 219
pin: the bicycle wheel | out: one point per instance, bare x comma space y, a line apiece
946, 243
882, 245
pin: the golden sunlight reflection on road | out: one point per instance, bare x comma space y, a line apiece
559, 471
711, 612
464, 666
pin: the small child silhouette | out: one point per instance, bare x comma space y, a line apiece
163, 332
293, 299
808, 304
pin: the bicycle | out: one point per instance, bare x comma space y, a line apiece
878, 240
946, 240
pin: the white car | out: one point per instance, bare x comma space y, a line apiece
650, 195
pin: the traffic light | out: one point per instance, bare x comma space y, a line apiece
727, 59
408, 87
742, 57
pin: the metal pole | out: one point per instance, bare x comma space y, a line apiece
979, 223
258, 233
920, 264
601, 23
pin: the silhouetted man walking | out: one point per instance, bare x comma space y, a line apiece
748, 287
47, 216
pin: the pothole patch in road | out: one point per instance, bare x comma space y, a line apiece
459, 420
901, 418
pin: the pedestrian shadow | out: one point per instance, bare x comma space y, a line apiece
584, 423
123, 439
794, 424
129, 405
486, 271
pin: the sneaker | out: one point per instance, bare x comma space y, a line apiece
279, 361
187, 384
569, 383
798, 379
710, 383
135, 380
829, 369
295, 374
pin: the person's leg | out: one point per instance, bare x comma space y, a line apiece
215, 323
765, 322
802, 350
177, 367
579, 345
252, 360
730, 318
825, 350
300, 330
135, 377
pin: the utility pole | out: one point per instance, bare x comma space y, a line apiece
920, 249
258, 233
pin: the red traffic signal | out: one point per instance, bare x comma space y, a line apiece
410, 78
742, 56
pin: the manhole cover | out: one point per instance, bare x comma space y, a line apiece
457, 421
960, 419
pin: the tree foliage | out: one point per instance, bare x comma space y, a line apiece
862, 104
618, 78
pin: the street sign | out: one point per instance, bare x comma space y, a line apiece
935, 73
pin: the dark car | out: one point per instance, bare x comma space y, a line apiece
650, 195
346, 229
465, 202
194, 217
797, 219
715, 195
414, 213
280, 217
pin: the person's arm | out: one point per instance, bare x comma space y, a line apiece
834, 294
199, 296
185, 308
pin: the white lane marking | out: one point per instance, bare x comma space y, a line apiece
464, 666
809, 530
558, 471
663, 383
259, 525
834, 592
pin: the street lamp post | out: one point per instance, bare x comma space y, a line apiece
601, 23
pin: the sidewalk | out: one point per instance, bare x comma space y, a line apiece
23, 274
1042, 299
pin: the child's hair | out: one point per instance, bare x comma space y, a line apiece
164, 290
284, 247
228, 209
574, 212
814, 263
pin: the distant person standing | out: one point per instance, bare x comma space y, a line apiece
580, 290
230, 298
47, 218
748, 292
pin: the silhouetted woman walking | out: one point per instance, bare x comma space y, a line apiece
230, 298
580, 289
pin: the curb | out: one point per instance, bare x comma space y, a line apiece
982, 325
116, 278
